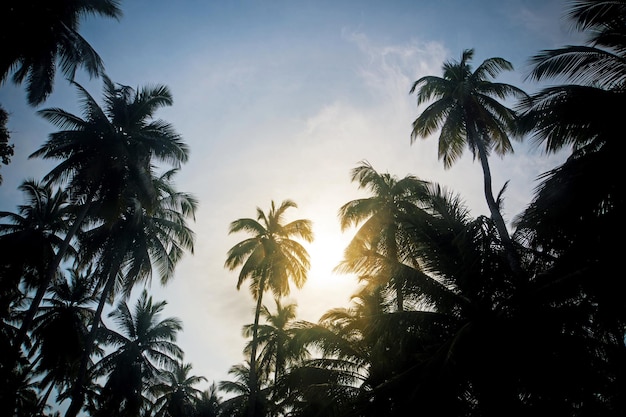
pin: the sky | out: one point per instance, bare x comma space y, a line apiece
281, 100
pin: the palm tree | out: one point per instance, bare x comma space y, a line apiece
600, 62
381, 215
560, 116
36, 34
60, 329
468, 113
22, 399
176, 395
210, 403
270, 259
127, 251
145, 345
577, 206
18, 394
277, 341
112, 148
238, 405
452, 354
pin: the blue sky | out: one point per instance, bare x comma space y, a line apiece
281, 99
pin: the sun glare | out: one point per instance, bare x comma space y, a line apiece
326, 253
324, 288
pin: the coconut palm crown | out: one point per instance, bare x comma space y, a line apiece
270, 259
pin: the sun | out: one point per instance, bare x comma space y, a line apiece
326, 252
325, 289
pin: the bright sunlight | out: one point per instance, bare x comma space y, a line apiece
324, 288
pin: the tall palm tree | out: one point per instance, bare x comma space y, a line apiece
38, 35
468, 113
577, 206
144, 345
128, 250
270, 259
105, 152
275, 338
381, 215
175, 394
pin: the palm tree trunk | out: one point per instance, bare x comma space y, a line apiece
392, 250
79, 385
496, 216
253, 374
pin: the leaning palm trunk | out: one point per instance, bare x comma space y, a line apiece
494, 209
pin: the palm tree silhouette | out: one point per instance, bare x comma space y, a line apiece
270, 259
279, 347
210, 403
381, 217
107, 160
468, 113
29, 241
144, 345
239, 404
60, 329
175, 394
